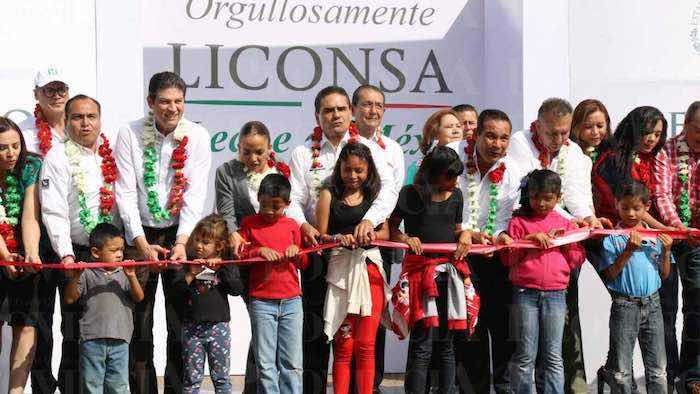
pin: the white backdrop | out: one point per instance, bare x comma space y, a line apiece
499, 53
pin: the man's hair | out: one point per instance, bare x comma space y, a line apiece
632, 188
356, 93
81, 97
465, 108
692, 109
558, 107
491, 114
275, 185
165, 80
327, 91
102, 233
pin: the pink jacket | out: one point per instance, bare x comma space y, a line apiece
542, 269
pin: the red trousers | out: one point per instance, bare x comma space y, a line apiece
356, 337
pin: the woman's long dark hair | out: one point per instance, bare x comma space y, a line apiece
440, 161
630, 132
537, 181
371, 186
6, 124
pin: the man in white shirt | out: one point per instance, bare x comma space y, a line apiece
487, 165
45, 129
368, 106
71, 179
333, 113
160, 205
547, 145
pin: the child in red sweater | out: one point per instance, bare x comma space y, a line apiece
275, 294
540, 278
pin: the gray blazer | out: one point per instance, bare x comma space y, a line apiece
232, 200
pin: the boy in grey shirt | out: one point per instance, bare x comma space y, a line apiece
106, 326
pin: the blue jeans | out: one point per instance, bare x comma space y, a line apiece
277, 332
104, 366
538, 318
688, 260
211, 341
633, 318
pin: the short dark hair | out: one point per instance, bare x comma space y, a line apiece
356, 93
327, 91
692, 109
555, 106
165, 80
275, 185
371, 186
254, 127
465, 108
491, 114
81, 97
102, 233
632, 188
537, 181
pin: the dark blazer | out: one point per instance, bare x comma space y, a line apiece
232, 200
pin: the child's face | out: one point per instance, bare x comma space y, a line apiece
445, 183
649, 141
450, 130
353, 172
111, 252
543, 203
631, 209
207, 248
254, 151
272, 208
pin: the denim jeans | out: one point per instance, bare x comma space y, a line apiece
426, 340
633, 318
277, 326
688, 260
538, 317
104, 366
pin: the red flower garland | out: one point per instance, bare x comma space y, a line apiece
496, 176
8, 235
280, 166
544, 151
43, 130
380, 141
109, 176
177, 191
316, 137
641, 171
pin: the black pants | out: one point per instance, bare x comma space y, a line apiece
668, 294
474, 375
316, 347
689, 271
50, 281
142, 373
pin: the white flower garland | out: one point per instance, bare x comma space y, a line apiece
473, 203
255, 178
561, 167
3, 213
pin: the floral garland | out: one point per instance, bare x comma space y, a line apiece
9, 214
43, 133
178, 159
592, 152
109, 176
380, 140
495, 176
255, 178
641, 170
684, 212
316, 137
544, 156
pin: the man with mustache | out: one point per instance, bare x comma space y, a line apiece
163, 161
71, 183
308, 171
678, 202
487, 168
547, 145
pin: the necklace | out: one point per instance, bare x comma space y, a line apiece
495, 177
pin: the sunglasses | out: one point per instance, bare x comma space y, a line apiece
52, 92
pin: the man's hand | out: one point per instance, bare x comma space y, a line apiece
463, 244
237, 243
309, 235
504, 239
347, 240
541, 238
634, 242
364, 232
479, 237
594, 222
71, 273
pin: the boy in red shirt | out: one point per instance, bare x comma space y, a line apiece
275, 307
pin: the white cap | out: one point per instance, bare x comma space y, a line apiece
47, 75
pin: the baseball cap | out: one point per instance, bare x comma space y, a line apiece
47, 75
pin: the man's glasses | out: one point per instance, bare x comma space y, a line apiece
52, 92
